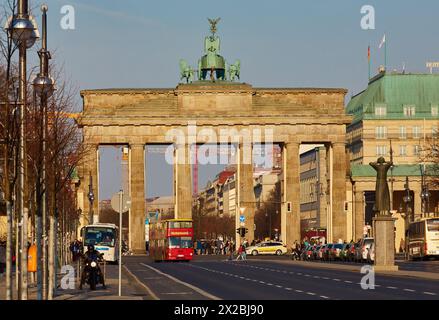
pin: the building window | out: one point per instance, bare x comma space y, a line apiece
434, 111
381, 150
402, 132
381, 132
402, 150
416, 132
409, 111
416, 150
380, 111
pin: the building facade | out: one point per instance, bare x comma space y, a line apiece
396, 117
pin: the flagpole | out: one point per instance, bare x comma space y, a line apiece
385, 53
368, 58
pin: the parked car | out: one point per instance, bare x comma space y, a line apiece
315, 252
267, 247
371, 253
307, 252
362, 249
322, 251
326, 253
334, 253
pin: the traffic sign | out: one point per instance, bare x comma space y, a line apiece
242, 218
126, 202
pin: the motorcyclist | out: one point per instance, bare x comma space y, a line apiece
92, 255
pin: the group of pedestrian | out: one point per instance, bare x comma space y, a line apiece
217, 247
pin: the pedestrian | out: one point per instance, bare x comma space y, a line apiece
240, 251
199, 247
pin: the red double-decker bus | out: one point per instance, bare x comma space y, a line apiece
171, 240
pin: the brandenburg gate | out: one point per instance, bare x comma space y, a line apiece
216, 102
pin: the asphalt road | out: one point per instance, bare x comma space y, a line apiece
430, 265
214, 277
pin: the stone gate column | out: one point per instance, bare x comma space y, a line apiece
137, 192
358, 214
183, 182
339, 220
245, 187
290, 219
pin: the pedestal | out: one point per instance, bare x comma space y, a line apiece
384, 235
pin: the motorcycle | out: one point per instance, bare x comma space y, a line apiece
93, 272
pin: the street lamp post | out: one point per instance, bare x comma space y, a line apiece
23, 31
425, 194
91, 198
407, 199
44, 87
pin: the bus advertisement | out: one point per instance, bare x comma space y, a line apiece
171, 240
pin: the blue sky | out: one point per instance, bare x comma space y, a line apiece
319, 43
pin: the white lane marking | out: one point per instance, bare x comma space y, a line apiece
348, 281
269, 284
200, 291
336, 279
409, 290
429, 293
326, 278
175, 293
316, 277
389, 287
151, 293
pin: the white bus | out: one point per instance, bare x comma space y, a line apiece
105, 237
423, 238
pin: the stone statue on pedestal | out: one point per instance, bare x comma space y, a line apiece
382, 194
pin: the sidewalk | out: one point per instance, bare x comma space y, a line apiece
131, 289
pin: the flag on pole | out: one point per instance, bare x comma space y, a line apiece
383, 41
368, 59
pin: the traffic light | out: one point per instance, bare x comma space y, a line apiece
242, 231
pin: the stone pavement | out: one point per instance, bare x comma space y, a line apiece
131, 289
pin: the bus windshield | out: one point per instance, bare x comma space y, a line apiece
100, 236
433, 225
180, 242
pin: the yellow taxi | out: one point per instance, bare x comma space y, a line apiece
267, 247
